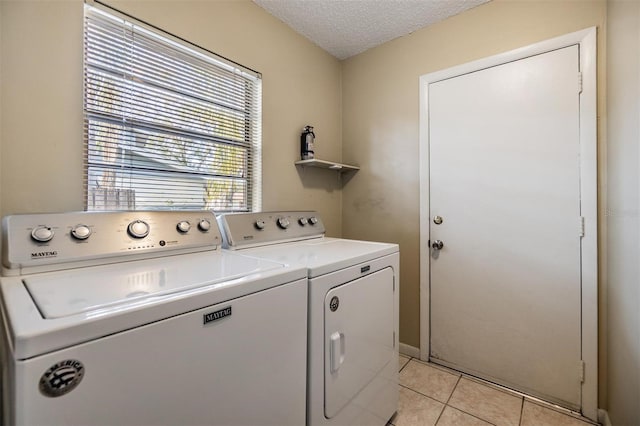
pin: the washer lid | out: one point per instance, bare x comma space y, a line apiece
103, 288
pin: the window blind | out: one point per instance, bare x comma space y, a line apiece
167, 125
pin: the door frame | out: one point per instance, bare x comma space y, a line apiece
586, 39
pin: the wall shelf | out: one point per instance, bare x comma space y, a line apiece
329, 165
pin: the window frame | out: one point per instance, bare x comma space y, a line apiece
250, 115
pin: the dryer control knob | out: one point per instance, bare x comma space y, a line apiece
303, 221
313, 220
183, 226
204, 225
81, 232
283, 222
138, 229
42, 234
259, 224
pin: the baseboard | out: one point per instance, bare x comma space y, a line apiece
409, 350
603, 416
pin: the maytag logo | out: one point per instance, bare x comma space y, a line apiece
41, 254
217, 315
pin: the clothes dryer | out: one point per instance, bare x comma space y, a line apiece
138, 318
353, 312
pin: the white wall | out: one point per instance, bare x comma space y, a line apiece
622, 212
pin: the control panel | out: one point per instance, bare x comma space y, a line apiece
32, 240
252, 229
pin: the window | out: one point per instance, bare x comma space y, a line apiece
167, 125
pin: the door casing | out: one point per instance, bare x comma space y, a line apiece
586, 39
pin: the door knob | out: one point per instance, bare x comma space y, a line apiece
437, 245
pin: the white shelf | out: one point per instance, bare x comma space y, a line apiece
330, 165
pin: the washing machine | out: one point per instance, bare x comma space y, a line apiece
139, 318
353, 312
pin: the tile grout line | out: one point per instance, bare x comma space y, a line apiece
521, 412
446, 404
405, 364
531, 399
454, 389
464, 376
494, 386
500, 388
420, 393
458, 375
481, 381
399, 371
558, 409
471, 415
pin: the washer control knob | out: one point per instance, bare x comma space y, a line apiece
283, 222
183, 226
260, 224
204, 225
303, 221
81, 232
42, 234
138, 229
313, 220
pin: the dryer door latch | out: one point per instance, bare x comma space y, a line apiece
337, 351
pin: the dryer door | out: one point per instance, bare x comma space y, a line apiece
358, 337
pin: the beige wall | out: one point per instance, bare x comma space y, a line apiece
41, 106
380, 132
374, 94
381, 123
42, 83
622, 213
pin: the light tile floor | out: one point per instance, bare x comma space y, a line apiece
432, 395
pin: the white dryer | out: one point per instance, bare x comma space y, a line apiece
353, 312
138, 318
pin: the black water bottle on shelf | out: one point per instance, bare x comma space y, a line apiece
306, 143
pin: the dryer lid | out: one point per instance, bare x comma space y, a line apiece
110, 287
324, 255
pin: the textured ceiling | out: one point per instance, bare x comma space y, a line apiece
347, 27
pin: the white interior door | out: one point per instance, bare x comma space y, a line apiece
504, 176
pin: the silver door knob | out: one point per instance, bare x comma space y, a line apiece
437, 245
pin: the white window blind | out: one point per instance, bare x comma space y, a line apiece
167, 125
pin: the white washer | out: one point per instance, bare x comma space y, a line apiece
353, 312
138, 318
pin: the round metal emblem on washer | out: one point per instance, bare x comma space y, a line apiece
61, 378
335, 302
